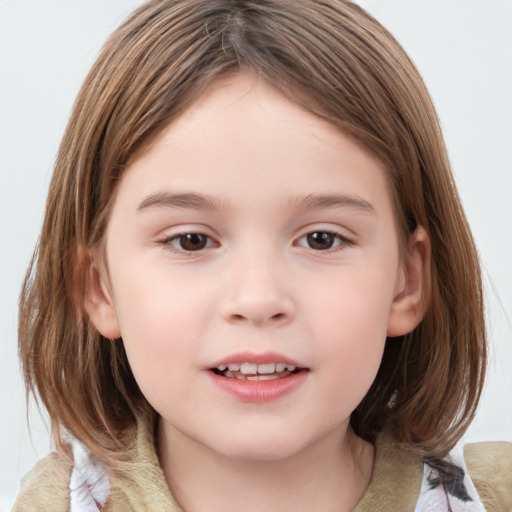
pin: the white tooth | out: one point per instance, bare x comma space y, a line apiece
266, 368
221, 367
234, 367
249, 369
240, 377
253, 377
290, 368
267, 377
280, 367
228, 374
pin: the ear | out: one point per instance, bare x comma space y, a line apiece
97, 298
412, 293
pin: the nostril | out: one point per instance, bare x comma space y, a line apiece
258, 319
259, 310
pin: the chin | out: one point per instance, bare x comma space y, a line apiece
260, 448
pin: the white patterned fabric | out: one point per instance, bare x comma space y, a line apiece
436, 498
89, 486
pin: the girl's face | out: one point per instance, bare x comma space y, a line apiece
254, 274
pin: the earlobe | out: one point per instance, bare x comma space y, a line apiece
97, 299
412, 295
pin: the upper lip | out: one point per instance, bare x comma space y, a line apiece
255, 358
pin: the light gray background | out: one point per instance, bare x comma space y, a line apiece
463, 49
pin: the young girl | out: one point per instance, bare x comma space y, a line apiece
255, 287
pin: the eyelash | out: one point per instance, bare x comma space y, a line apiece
169, 242
341, 239
172, 241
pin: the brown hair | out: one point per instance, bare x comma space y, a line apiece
333, 59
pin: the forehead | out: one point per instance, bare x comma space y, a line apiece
242, 139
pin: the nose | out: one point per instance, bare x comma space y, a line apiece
258, 293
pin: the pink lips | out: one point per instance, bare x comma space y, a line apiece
258, 390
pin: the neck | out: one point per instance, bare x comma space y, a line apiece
329, 475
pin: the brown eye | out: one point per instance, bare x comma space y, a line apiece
321, 240
190, 241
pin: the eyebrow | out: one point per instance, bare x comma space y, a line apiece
185, 200
320, 201
206, 202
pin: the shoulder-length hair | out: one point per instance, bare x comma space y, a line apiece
331, 58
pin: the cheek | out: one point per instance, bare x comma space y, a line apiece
351, 358
354, 338
158, 302
356, 303
351, 318
161, 321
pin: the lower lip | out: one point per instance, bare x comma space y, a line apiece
259, 390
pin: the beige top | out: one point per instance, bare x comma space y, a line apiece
397, 483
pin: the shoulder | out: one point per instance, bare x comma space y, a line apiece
66, 480
403, 480
484, 481
46, 487
489, 465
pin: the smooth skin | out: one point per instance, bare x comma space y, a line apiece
252, 226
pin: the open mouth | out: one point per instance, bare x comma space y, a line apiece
255, 372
